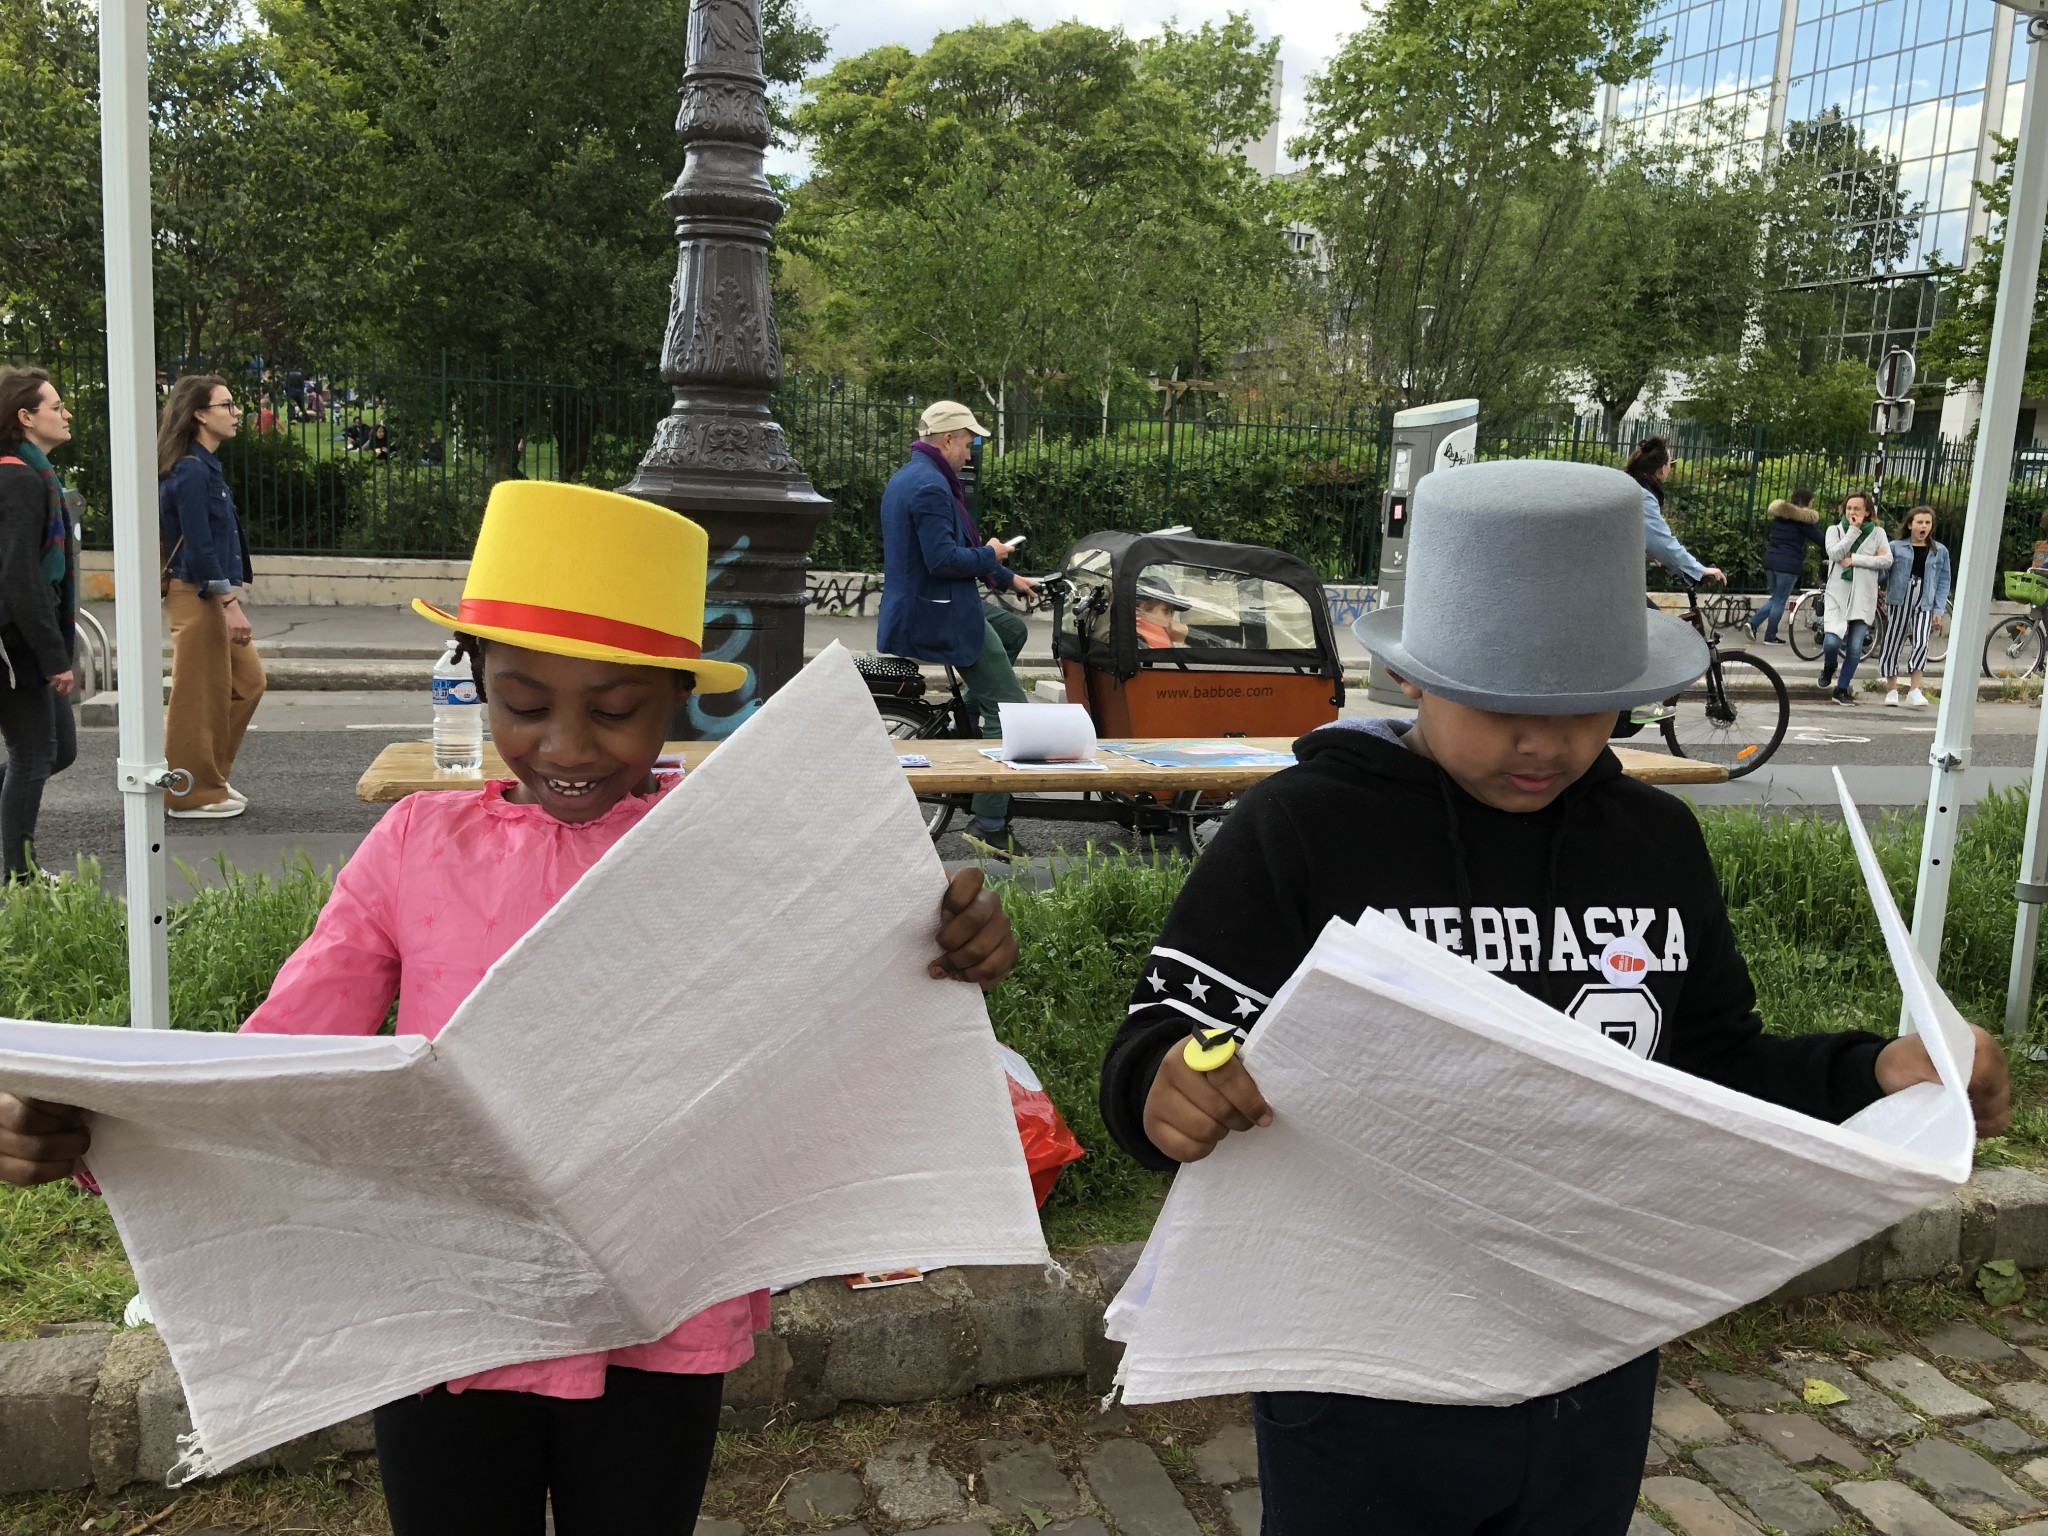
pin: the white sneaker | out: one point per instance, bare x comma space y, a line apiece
1892, 698
235, 794
1915, 699
220, 810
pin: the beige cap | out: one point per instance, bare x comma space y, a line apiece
949, 416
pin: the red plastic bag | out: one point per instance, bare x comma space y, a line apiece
1048, 1145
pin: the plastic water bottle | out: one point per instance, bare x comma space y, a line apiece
458, 716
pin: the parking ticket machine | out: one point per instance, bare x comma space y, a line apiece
1426, 438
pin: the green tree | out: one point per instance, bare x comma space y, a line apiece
1448, 161
1957, 347
247, 182
1061, 206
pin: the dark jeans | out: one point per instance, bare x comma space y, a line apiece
1766, 618
42, 739
1565, 1465
991, 683
484, 1463
1849, 648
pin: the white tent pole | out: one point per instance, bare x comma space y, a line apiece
131, 423
1977, 570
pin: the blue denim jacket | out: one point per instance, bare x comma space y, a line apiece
202, 537
1934, 586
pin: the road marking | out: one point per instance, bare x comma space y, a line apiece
1813, 736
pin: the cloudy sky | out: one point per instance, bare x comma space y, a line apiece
1309, 30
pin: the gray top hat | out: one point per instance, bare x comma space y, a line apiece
1525, 594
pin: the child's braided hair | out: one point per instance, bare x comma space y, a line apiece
471, 648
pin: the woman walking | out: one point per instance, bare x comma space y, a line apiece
39, 598
1857, 552
1916, 590
1794, 525
216, 676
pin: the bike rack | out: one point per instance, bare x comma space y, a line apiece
99, 649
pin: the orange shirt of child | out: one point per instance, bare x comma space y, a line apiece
1159, 627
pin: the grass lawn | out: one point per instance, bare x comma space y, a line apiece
1792, 885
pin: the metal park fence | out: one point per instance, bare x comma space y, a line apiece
377, 460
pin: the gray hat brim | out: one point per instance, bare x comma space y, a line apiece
1677, 656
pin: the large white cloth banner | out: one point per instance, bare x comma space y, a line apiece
717, 1064
1466, 1197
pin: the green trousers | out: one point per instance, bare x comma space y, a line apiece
991, 682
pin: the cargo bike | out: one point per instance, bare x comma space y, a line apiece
1155, 635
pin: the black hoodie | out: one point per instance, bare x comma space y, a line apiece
1610, 868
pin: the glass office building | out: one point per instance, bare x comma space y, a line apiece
1912, 89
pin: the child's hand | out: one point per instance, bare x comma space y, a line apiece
1188, 1112
1905, 1062
39, 1142
976, 943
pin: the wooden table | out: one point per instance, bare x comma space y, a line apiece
958, 768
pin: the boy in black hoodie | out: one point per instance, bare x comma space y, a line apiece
1499, 825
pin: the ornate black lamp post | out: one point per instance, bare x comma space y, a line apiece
718, 456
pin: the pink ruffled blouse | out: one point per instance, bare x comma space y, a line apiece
442, 886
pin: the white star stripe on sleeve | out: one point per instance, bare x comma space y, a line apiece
1212, 973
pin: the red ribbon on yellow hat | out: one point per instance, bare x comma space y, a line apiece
562, 624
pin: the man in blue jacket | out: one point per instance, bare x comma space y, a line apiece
934, 564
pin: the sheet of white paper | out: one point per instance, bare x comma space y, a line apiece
1047, 733
686, 1082
1466, 1197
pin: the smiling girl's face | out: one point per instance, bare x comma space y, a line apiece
578, 735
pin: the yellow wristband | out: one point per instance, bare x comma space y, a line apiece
1208, 1049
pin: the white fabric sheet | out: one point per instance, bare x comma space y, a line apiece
717, 1064
1047, 733
1466, 1197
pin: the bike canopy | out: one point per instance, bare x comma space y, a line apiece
1240, 607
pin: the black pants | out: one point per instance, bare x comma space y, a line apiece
42, 739
486, 1463
1567, 1465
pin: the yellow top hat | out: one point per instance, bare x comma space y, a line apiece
582, 572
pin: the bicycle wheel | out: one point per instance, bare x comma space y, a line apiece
2014, 647
908, 721
1735, 716
1804, 624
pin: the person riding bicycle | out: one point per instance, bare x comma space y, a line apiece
933, 557
1650, 466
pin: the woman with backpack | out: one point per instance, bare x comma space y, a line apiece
38, 609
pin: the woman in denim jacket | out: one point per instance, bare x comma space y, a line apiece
216, 675
1916, 593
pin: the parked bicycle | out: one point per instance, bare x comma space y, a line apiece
1736, 714
1807, 628
2018, 644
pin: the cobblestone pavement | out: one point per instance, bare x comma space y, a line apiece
1935, 1433
1909, 1411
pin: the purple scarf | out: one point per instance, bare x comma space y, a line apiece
970, 531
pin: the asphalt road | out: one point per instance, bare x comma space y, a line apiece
300, 764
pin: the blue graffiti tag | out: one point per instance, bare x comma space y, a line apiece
717, 727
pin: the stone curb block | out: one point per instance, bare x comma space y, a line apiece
106, 1408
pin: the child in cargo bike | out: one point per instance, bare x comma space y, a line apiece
1497, 824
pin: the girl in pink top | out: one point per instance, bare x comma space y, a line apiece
444, 885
